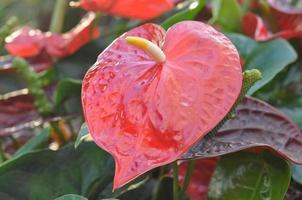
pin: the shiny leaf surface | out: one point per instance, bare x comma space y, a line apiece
270, 57
64, 171
256, 124
250, 176
130, 102
16, 109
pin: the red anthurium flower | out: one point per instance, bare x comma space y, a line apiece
152, 94
135, 9
254, 27
25, 42
201, 177
288, 18
28, 42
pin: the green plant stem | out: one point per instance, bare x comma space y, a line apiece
188, 177
58, 16
34, 85
175, 182
158, 184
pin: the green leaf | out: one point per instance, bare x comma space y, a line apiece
37, 142
71, 197
270, 57
66, 88
47, 174
250, 176
83, 134
188, 14
297, 173
226, 14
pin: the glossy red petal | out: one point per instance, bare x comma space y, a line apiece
254, 27
147, 114
25, 42
141, 10
201, 177
61, 45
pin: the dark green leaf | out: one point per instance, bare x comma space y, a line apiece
47, 174
67, 88
71, 197
133, 185
188, 14
270, 57
250, 176
83, 134
37, 142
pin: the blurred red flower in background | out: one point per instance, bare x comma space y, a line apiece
40, 48
201, 177
135, 9
288, 19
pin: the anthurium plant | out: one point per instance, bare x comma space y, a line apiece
151, 100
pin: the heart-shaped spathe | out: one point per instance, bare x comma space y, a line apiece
148, 114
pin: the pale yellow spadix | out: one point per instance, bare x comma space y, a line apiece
149, 47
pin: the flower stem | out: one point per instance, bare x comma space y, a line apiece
58, 16
175, 182
188, 177
158, 184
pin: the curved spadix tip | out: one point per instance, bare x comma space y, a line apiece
149, 47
